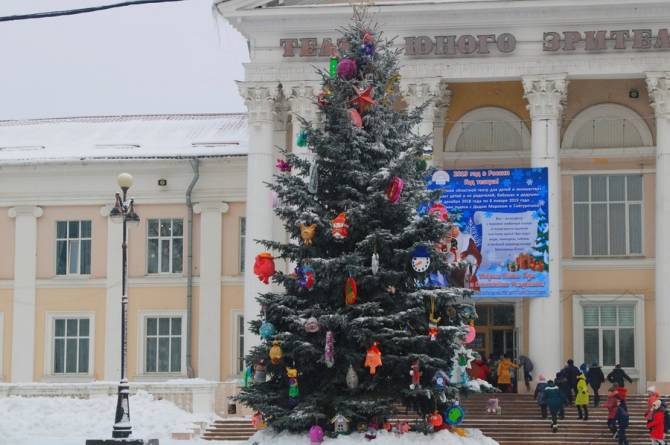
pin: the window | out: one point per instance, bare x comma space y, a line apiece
243, 239
165, 239
488, 129
71, 345
163, 344
607, 215
73, 247
609, 334
239, 336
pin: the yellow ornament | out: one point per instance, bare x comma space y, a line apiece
461, 432
275, 352
307, 233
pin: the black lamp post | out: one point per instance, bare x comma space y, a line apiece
123, 212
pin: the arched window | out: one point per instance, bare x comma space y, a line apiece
488, 129
607, 126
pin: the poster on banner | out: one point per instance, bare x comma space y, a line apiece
502, 228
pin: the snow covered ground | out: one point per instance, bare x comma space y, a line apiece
474, 437
69, 421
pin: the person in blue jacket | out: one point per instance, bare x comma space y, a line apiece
622, 420
555, 401
539, 395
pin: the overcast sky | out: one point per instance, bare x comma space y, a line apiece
156, 58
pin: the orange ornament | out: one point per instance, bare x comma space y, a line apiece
350, 290
373, 358
435, 419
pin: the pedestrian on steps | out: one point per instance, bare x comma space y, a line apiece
622, 420
570, 373
555, 401
539, 395
582, 398
564, 388
504, 375
652, 397
656, 424
527, 366
618, 375
611, 406
595, 379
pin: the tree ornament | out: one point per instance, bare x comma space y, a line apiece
306, 276
346, 69
394, 189
435, 419
437, 279
355, 117
374, 263
329, 350
264, 266
301, 139
316, 434
373, 358
248, 376
340, 424
454, 415
323, 97
440, 380
340, 226
260, 373
420, 259
415, 373
275, 352
313, 185
307, 233
283, 166
368, 50
312, 325
368, 37
472, 333
350, 290
391, 290
352, 378
266, 330
371, 432
461, 362
332, 66
258, 422
433, 330
439, 210
363, 99
433, 320
293, 391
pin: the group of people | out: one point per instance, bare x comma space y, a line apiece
570, 386
498, 371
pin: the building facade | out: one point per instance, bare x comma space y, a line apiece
579, 87
61, 268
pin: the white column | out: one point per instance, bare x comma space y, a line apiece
416, 92
545, 95
25, 273
301, 99
658, 84
112, 370
259, 100
209, 302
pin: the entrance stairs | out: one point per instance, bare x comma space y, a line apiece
518, 424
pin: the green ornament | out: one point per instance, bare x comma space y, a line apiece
333, 66
301, 140
293, 391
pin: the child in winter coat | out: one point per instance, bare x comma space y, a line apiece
656, 424
653, 396
611, 406
555, 401
582, 398
539, 395
622, 420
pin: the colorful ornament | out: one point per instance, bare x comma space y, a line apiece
258, 422
368, 37
355, 117
437, 279
266, 330
323, 96
306, 276
454, 415
346, 69
340, 226
301, 139
313, 184
420, 259
316, 434
264, 266
363, 99
461, 362
415, 373
293, 391
440, 380
371, 433
439, 210
275, 352
435, 419
312, 325
340, 424
260, 373
332, 66
283, 166
350, 290
472, 333
368, 50
373, 358
352, 378
374, 263
433, 330
248, 376
307, 233
329, 350
394, 189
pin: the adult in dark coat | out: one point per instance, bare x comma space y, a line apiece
539, 395
622, 420
570, 372
595, 379
618, 375
564, 387
555, 401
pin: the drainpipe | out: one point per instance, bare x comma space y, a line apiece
195, 165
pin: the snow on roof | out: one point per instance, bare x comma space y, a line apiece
123, 137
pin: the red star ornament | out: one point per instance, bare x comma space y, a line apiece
363, 98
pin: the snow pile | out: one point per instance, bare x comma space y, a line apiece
444, 437
479, 385
37, 419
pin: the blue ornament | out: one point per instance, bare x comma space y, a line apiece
454, 415
420, 259
267, 330
369, 49
440, 380
437, 279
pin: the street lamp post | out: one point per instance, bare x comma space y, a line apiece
123, 212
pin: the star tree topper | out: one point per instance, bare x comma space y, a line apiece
363, 98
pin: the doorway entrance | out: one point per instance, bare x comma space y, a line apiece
496, 331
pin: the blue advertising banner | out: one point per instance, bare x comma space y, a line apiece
502, 228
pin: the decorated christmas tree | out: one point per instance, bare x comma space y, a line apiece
366, 319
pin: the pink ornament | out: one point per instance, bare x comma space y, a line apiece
355, 117
394, 189
283, 166
316, 434
368, 37
346, 69
329, 350
440, 210
472, 333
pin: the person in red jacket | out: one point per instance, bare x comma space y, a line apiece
611, 406
656, 424
479, 369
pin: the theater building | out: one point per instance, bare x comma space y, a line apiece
579, 87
